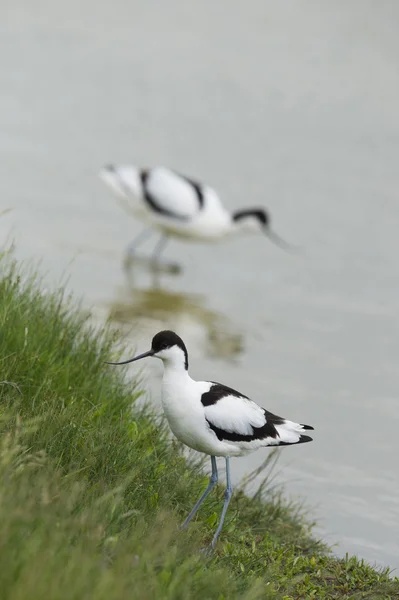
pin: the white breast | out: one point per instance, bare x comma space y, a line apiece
181, 402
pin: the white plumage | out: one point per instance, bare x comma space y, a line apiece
173, 193
235, 414
178, 206
212, 418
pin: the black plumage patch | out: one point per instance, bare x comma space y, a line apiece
275, 419
258, 213
166, 339
303, 439
197, 187
151, 200
258, 433
217, 392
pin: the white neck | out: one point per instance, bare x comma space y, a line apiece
174, 374
174, 367
174, 360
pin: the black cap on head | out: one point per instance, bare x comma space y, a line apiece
258, 213
167, 339
263, 218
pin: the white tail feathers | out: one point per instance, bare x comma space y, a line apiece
125, 182
291, 433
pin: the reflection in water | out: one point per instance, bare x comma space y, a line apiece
151, 263
186, 313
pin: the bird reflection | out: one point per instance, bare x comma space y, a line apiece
154, 306
152, 264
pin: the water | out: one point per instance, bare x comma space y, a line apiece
290, 105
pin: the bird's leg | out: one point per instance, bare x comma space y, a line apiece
227, 497
212, 482
158, 248
134, 244
156, 264
139, 239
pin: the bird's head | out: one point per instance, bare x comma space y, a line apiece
252, 219
257, 220
167, 346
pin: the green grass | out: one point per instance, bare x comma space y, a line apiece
92, 491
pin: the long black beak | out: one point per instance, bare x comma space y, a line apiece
125, 362
278, 241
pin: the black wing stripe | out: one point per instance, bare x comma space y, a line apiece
217, 392
258, 433
150, 199
197, 187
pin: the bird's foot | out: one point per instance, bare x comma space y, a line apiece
170, 268
152, 264
208, 551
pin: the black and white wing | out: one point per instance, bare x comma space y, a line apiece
162, 190
171, 194
234, 417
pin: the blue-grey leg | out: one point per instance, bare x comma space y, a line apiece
227, 497
159, 247
212, 482
138, 240
129, 257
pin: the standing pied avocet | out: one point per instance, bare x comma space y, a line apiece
213, 418
179, 206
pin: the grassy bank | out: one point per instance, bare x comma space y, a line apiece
92, 491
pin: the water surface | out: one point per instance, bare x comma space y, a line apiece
288, 105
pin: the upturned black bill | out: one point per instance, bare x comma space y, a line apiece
125, 362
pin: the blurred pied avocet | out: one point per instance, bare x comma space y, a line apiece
180, 207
